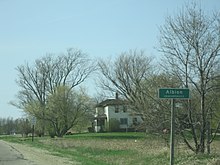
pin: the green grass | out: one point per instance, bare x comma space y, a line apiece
117, 148
113, 135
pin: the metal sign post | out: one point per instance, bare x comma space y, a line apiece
33, 122
172, 132
173, 93
32, 133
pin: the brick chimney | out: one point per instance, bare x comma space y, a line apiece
116, 95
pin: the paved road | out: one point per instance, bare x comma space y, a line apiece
10, 156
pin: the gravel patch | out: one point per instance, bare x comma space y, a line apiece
40, 156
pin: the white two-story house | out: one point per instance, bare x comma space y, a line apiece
115, 115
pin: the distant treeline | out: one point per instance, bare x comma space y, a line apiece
10, 126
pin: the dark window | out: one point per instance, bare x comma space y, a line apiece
123, 121
135, 121
124, 108
116, 109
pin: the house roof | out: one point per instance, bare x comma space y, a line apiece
112, 102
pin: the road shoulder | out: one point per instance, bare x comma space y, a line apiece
40, 156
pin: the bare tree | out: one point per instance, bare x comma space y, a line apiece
48, 73
126, 74
134, 77
190, 42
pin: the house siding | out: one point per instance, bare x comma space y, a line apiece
119, 112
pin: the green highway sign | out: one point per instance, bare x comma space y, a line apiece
173, 93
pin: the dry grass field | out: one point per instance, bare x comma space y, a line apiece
122, 149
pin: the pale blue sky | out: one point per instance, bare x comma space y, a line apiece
30, 29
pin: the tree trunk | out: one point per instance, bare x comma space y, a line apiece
208, 137
203, 125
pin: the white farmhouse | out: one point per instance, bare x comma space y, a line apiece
115, 115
